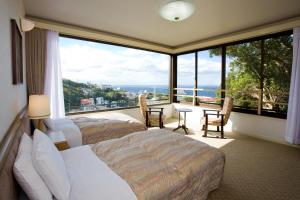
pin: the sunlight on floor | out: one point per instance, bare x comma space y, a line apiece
196, 133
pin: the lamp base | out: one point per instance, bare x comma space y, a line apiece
38, 124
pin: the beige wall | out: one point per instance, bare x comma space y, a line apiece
12, 97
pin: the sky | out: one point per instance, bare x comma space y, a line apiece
85, 61
209, 69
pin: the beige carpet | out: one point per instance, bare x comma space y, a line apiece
255, 169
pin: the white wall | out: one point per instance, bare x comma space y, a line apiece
12, 97
267, 128
136, 113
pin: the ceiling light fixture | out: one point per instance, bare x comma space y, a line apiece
177, 10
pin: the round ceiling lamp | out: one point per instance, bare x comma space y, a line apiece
177, 10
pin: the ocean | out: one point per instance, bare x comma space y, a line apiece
165, 89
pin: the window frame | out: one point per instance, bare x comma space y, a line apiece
222, 84
173, 69
223, 70
126, 46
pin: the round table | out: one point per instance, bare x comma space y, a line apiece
183, 126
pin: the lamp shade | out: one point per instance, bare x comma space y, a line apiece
38, 107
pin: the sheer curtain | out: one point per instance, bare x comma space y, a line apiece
293, 116
53, 84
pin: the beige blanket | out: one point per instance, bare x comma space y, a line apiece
115, 125
159, 164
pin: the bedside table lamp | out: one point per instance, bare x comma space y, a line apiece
38, 109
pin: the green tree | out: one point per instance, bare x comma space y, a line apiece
245, 72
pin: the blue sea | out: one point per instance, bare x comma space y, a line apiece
165, 89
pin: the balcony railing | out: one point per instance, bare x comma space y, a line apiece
257, 97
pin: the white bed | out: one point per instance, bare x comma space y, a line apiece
154, 165
90, 129
92, 179
69, 129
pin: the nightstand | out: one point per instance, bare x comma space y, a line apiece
59, 140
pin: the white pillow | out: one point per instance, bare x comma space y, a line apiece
50, 165
49, 123
25, 173
55, 124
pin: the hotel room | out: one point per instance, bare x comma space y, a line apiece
161, 99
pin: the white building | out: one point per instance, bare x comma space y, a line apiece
99, 100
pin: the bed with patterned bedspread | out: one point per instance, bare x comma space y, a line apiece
159, 164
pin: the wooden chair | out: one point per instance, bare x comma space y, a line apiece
152, 116
220, 118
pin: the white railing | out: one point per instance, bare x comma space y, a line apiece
257, 93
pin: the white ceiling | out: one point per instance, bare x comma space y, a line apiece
140, 18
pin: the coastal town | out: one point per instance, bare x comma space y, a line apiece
81, 97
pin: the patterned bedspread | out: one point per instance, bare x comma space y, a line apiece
110, 126
159, 164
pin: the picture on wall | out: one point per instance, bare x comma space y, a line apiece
17, 57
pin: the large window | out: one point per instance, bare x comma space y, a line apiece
99, 76
209, 75
277, 68
259, 74
255, 72
244, 74
185, 77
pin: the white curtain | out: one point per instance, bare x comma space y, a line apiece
53, 82
293, 115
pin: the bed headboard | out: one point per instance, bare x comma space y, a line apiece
9, 189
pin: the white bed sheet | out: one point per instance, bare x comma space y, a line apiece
92, 179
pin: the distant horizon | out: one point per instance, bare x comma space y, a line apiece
159, 85
86, 82
135, 85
